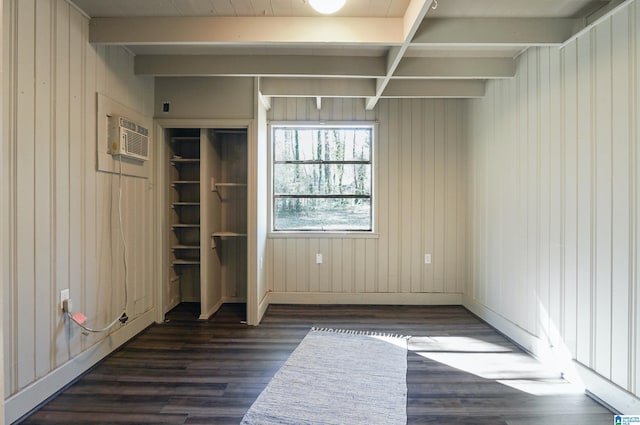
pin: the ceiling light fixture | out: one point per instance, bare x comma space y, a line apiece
326, 7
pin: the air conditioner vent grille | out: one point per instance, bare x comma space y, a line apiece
136, 143
128, 139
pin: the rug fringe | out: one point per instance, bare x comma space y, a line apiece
360, 332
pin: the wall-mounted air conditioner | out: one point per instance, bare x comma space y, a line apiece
127, 138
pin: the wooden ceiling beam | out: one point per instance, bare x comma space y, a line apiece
321, 66
453, 68
260, 65
475, 32
414, 15
246, 30
317, 87
337, 87
434, 88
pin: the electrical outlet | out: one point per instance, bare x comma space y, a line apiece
318, 258
64, 295
427, 258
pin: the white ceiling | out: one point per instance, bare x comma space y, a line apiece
394, 48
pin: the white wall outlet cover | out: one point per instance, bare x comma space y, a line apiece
64, 295
318, 258
427, 258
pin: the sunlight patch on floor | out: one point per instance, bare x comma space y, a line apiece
498, 363
543, 387
455, 344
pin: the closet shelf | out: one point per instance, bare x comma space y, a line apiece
230, 185
178, 247
185, 204
186, 262
228, 235
175, 182
180, 161
185, 225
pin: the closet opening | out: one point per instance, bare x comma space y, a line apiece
206, 243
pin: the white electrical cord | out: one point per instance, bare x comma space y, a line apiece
124, 244
87, 328
122, 318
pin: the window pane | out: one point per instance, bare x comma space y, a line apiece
322, 214
322, 144
322, 179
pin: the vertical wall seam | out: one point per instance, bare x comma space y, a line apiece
68, 182
34, 199
594, 195
575, 220
563, 198
52, 182
423, 245
611, 259
433, 195
633, 307
550, 237
538, 209
443, 254
13, 122
83, 184
634, 11
456, 245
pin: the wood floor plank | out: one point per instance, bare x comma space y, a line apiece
185, 371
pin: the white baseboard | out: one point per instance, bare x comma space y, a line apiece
262, 308
363, 298
619, 399
525, 339
30, 397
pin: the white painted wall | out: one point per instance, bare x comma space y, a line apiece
60, 227
421, 208
554, 207
220, 98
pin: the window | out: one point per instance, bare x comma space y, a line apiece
322, 177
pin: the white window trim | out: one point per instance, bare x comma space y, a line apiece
296, 234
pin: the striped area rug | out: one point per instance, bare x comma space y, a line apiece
338, 377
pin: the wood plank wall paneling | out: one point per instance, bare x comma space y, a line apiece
421, 205
62, 222
554, 190
634, 299
4, 200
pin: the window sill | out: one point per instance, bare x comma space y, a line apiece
322, 235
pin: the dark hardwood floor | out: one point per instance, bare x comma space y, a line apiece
460, 370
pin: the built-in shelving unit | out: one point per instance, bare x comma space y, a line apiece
207, 244
229, 230
184, 196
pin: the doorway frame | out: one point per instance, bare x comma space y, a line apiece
160, 214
